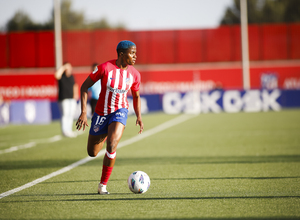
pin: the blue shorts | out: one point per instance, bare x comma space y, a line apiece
100, 123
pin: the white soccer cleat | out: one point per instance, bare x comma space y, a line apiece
102, 189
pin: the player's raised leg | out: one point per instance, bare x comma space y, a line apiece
95, 144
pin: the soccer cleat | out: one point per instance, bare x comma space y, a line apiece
102, 189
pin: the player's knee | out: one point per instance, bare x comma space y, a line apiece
92, 153
112, 145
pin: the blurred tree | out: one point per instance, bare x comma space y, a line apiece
101, 24
264, 11
22, 22
70, 20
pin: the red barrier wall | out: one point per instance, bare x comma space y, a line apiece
236, 51
274, 41
255, 44
42, 85
105, 44
217, 44
189, 47
82, 48
45, 49
284, 74
37, 85
3, 51
162, 48
22, 49
142, 39
77, 47
294, 44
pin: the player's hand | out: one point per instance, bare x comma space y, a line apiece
140, 123
81, 122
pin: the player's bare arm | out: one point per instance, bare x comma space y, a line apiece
82, 120
137, 109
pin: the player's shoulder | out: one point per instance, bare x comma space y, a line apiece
107, 64
110, 63
134, 70
105, 67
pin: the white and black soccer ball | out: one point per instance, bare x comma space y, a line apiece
138, 182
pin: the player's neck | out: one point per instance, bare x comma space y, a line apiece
121, 64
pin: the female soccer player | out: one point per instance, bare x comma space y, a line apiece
117, 77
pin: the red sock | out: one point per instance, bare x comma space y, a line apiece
106, 171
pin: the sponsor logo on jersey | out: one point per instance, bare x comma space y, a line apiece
128, 81
116, 90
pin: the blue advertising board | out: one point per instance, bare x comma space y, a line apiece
212, 101
230, 101
30, 112
4, 113
215, 101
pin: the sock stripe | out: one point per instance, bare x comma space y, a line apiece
111, 155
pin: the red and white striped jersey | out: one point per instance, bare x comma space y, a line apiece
115, 83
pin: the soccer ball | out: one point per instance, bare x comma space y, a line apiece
138, 182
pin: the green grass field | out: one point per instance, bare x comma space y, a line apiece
211, 166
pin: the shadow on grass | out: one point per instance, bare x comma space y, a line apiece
132, 197
34, 164
205, 160
229, 178
58, 163
221, 218
74, 181
183, 178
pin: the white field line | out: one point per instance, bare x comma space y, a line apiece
34, 143
159, 128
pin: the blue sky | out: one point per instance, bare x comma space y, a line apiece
134, 14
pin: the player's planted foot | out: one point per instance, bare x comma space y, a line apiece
102, 189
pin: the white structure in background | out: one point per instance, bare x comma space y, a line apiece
245, 44
57, 32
